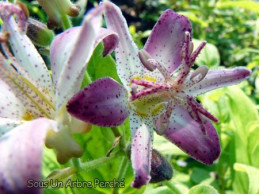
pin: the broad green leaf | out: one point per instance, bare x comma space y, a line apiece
198, 175
253, 143
209, 55
203, 189
100, 66
252, 173
242, 112
166, 147
158, 190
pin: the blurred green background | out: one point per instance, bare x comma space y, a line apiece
231, 29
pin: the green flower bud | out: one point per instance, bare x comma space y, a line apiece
57, 9
39, 33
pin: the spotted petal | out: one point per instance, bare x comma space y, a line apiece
167, 38
76, 56
141, 150
34, 102
128, 63
186, 133
64, 43
219, 78
103, 102
29, 62
7, 125
71, 51
21, 149
10, 106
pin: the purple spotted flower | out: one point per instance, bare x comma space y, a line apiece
159, 92
32, 105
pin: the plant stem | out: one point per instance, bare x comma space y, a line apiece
121, 172
117, 134
87, 166
172, 187
76, 163
98, 162
116, 131
66, 23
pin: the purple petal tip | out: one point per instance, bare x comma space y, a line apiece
103, 102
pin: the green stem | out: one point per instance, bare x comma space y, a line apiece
76, 163
117, 134
66, 23
87, 166
172, 187
116, 131
98, 162
121, 172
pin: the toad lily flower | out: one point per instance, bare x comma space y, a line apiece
32, 110
159, 92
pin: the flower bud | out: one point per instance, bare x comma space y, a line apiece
161, 169
57, 9
39, 33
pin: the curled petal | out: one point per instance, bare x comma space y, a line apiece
103, 102
218, 78
167, 38
187, 134
141, 150
21, 149
110, 40
9, 9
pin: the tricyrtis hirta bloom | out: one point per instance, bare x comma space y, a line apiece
32, 105
159, 92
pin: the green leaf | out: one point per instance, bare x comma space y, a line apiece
158, 190
252, 177
100, 66
253, 143
203, 189
166, 147
209, 55
198, 175
243, 112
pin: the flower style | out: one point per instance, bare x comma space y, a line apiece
32, 106
159, 92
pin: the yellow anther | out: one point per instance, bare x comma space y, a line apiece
27, 116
